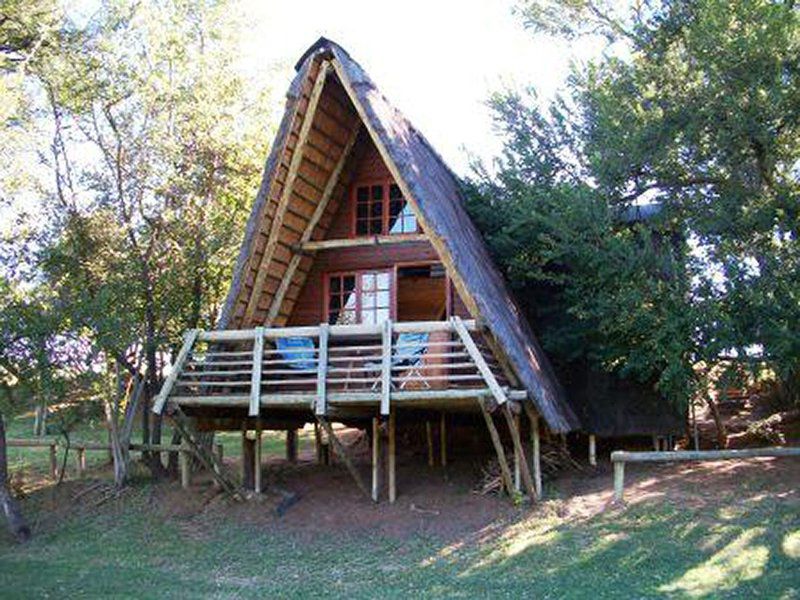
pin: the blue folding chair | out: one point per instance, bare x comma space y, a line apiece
409, 351
298, 352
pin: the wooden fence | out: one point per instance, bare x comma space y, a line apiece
620, 457
81, 448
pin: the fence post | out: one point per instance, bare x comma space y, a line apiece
53, 461
619, 480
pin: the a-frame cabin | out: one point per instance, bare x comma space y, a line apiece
363, 292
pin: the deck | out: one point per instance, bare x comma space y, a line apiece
338, 369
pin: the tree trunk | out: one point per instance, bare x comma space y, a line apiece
722, 434
8, 504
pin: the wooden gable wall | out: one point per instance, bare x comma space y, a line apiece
367, 166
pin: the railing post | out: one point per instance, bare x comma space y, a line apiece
322, 370
255, 379
189, 339
386, 368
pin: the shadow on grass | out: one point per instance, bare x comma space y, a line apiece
740, 538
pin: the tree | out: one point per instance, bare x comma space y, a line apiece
155, 150
694, 108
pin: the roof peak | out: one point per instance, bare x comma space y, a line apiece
322, 43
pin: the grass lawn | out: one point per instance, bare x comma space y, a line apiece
733, 537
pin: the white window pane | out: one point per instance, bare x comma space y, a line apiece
383, 281
383, 299
368, 281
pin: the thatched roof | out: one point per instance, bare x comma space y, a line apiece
435, 193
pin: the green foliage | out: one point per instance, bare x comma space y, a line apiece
132, 213
693, 107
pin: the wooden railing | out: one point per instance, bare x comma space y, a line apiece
341, 363
620, 457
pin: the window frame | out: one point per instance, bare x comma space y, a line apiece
359, 290
386, 185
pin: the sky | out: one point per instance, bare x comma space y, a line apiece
438, 61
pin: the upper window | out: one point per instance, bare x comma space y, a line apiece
381, 209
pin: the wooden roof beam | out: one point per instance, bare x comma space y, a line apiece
286, 193
327, 193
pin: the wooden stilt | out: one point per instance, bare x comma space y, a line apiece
392, 458
592, 450
498, 448
517, 453
257, 461
220, 454
443, 439
248, 461
376, 459
342, 452
291, 445
535, 448
655, 443
185, 465
527, 480
429, 438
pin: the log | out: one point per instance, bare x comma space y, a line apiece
684, 455
343, 454
498, 447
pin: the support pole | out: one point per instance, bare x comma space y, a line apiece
619, 480
429, 439
392, 458
184, 464
376, 459
318, 443
81, 461
443, 439
498, 448
257, 460
248, 461
535, 448
527, 480
517, 453
291, 445
592, 450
